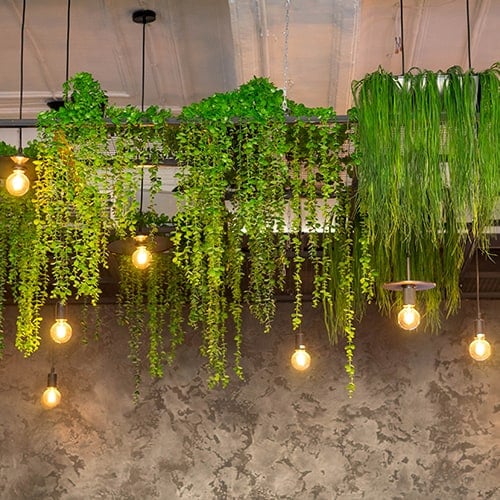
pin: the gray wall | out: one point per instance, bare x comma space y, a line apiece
423, 423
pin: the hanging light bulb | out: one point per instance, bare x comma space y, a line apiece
141, 257
51, 397
301, 359
479, 348
61, 330
409, 317
17, 183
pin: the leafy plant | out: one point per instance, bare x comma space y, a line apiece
151, 303
243, 166
426, 174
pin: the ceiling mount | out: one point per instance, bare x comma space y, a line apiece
144, 16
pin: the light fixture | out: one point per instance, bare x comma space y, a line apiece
409, 317
141, 256
141, 246
51, 397
61, 330
479, 348
301, 359
18, 183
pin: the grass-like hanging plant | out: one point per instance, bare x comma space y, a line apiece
427, 174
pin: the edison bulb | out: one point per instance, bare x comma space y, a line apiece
301, 359
51, 397
408, 317
480, 348
17, 183
61, 331
142, 257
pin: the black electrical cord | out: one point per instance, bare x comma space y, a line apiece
402, 37
21, 75
68, 24
468, 34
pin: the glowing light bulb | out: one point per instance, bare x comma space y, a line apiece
480, 348
408, 317
51, 397
301, 359
61, 331
17, 183
142, 257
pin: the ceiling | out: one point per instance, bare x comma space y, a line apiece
198, 47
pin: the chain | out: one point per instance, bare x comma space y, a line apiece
284, 104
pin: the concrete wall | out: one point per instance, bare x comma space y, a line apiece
424, 422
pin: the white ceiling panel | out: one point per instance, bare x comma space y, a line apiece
198, 47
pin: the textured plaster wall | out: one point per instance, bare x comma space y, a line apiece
424, 422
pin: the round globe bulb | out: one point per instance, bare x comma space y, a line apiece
480, 348
408, 317
17, 183
61, 331
51, 397
142, 257
301, 359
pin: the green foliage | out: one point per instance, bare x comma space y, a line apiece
87, 175
151, 301
414, 173
242, 168
7, 149
428, 174
16, 236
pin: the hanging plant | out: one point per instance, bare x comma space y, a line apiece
242, 168
70, 221
423, 174
151, 305
16, 237
222, 156
87, 177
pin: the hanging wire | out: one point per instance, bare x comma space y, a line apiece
143, 59
469, 58
477, 284
284, 104
21, 74
144, 21
68, 24
402, 39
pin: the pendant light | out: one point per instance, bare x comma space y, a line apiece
142, 256
51, 397
18, 183
479, 348
409, 317
301, 359
61, 330
141, 246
